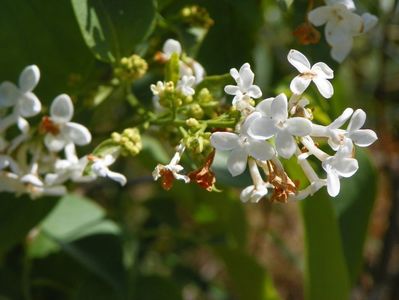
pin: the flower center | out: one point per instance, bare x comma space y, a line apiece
48, 126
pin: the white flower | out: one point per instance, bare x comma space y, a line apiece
273, 121
171, 170
241, 146
185, 85
318, 73
25, 103
36, 188
258, 190
100, 168
342, 24
336, 136
60, 131
342, 164
245, 87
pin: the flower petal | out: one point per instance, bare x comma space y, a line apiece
254, 92
9, 94
333, 184
171, 46
29, 105
118, 177
54, 142
246, 76
234, 73
320, 15
77, 133
262, 128
299, 84
298, 60
224, 140
61, 110
279, 108
260, 150
349, 4
23, 125
265, 106
29, 78
324, 86
363, 137
346, 167
338, 122
299, 126
340, 51
369, 21
322, 70
237, 161
231, 89
357, 121
285, 144
246, 193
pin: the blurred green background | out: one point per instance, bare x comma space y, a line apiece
140, 242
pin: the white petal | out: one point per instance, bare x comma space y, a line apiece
322, 70
54, 142
9, 94
285, 144
29, 105
299, 84
29, 78
23, 125
341, 50
346, 167
171, 46
224, 140
363, 137
246, 76
246, 193
299, 126
248, 122
324, 86
338, 122
61, 110
333, 184
199, 72
77, 133
299, 61
279, 108
237, 161
319, 15
260, 150
357, 121
118, 177
254, 92
349, 4
32, 179
369, 21
234, 73
262, 128
265, 106
231, 89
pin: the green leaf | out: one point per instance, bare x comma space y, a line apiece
18, 215
74, 217
249, 280
215, 84
325, 262
156, 287
353, 206
112, 29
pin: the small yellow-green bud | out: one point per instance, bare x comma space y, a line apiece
204, 96
196, 16
196, 111
192, 122
129, 140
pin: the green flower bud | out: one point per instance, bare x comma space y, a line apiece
129, 140
192, 122
131, 68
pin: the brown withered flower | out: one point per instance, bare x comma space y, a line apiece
204, 176
307, 34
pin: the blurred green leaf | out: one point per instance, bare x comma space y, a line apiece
112, 29
326, 275
353, 206
18, 215
248, 278
285, 4
155, 287
74, 217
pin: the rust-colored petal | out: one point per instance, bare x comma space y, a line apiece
204, 176
307, 34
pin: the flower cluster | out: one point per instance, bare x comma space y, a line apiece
40, 160
280, 128
341, 25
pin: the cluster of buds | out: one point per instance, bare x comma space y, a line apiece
40, 162
196, 16
129, 140
131, 68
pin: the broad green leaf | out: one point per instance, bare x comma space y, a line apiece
326, 275
112, 29
74, 217
18, 215
353, 206
45, 33
248, 279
